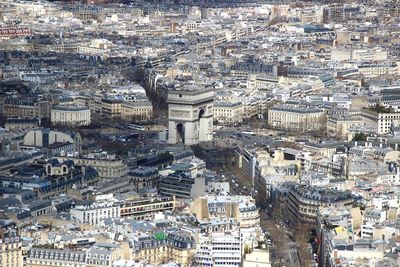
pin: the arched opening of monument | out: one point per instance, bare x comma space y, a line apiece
181, 133
201, 113
194, 110
202, 123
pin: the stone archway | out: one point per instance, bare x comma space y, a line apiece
180, 136
201, 113
202, 123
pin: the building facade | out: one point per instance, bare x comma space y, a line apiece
338, 126
16, 124
71, 115
144, 177
39, 257
296, 118
107, 167
381, 122
378, 69
97, 212
178, 246
11, 246
111, 108
228, 113
146, 208
141, 110
190, 116
240, 208
25, 108
51, 178
219, 249
303, 202
47, 137
182, 185
126, 110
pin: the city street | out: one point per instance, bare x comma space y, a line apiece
283, 248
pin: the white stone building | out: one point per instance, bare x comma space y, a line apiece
296, 118
219, 250
226, 113
105, 207
381, 122
71, 115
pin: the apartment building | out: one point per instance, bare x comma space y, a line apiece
264, 81
338, 126
136, 110
55, 177
96, 47
144, 208
339, 13
111, 108
369, 54
40, 257
378, 69
246, 161
311, 15
25, 107
102, 254
127, 110
144, 177
12, 31
381, 120
10, 245
107, 166
105, 207
271, 171
347, 53
222, 249
388, 96
389, 176
303, 201
240, 208
337, 230
160, 246
17, 124
182, 185
70, 115
227, 113
296, 118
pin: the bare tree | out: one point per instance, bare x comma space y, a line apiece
302, 237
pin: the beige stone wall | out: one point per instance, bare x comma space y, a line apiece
357, 218
11, 255
200, 207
